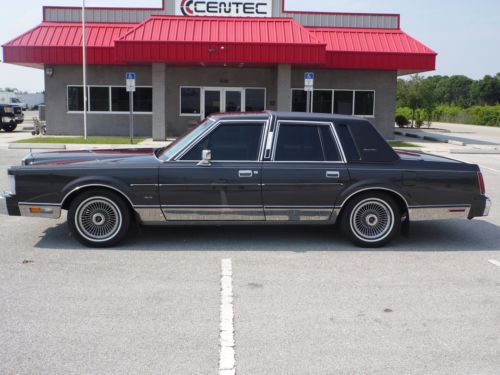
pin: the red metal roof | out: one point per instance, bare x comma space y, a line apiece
221, 40
61, 43
387, 49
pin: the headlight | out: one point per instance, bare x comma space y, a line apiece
12, 183
8, 110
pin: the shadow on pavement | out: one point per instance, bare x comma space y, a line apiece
458, 235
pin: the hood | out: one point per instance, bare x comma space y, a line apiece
85, 156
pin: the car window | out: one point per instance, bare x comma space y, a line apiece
297, 142
230, 141
331, 151
348, 145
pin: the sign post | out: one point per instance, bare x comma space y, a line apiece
130, 78
309, 89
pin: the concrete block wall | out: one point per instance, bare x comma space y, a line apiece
166, 82
62, 122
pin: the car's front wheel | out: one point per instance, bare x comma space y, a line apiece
99, 218
9, 127
371, 219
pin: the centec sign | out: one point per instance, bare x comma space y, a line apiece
224, 8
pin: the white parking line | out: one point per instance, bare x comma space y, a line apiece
226, 359
495, 262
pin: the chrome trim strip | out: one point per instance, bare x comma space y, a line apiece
95, 185
38, 204
134, 185
374, 188
214, 214
298, 214
150, 215
439, 213
47, 211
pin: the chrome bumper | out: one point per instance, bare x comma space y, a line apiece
487, 207
3, 205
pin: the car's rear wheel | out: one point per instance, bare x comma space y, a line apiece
371, 219
99, 218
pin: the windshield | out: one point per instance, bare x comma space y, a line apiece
15, 100
183, 141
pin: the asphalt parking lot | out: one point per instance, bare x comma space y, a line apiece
305, 300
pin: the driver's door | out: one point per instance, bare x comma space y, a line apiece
227, 190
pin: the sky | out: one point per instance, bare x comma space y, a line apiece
465, 34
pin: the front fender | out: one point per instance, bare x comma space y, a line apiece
98, 182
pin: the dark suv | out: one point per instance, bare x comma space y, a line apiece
11, 116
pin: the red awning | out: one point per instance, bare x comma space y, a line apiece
209, 40
61, 43
221, 41
382, 49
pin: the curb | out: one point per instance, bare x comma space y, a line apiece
429, 138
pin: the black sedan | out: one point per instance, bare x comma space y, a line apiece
250, 168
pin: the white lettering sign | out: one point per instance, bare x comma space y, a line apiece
224, 8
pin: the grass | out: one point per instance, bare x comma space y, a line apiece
401, 144
81, 140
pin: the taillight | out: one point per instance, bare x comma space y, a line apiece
482, 187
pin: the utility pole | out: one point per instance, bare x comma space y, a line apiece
84, 55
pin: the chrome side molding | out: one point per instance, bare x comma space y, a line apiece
438, 213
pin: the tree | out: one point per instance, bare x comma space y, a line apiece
411, 93
487, 90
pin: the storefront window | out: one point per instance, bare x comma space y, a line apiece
364, 103
322, 101
143, 99
255, 100
119, 99
75, 98
299, 100
343, 102
99, 99
190, 100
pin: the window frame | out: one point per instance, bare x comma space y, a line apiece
312, 123
110, 112
194, 143
333, 100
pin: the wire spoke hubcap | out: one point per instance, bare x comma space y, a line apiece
98, 219
372, 220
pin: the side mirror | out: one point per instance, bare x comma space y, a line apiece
206, 158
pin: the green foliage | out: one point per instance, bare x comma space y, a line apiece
477, 115
449, 99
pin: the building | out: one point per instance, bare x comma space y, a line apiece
196, 57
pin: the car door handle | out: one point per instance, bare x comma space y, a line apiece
332, 174
245, 173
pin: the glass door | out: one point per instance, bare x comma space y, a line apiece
233, 100
220, 99
211, 102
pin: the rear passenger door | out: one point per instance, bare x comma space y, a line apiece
306, 172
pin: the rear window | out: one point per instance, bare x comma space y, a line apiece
362, 142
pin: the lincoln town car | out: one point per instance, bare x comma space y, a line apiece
249, 168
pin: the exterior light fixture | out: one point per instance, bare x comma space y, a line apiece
49, 72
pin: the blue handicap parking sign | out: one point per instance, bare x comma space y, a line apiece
130, 75
309, 75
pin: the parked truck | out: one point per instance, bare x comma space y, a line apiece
11, 116
12, 98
